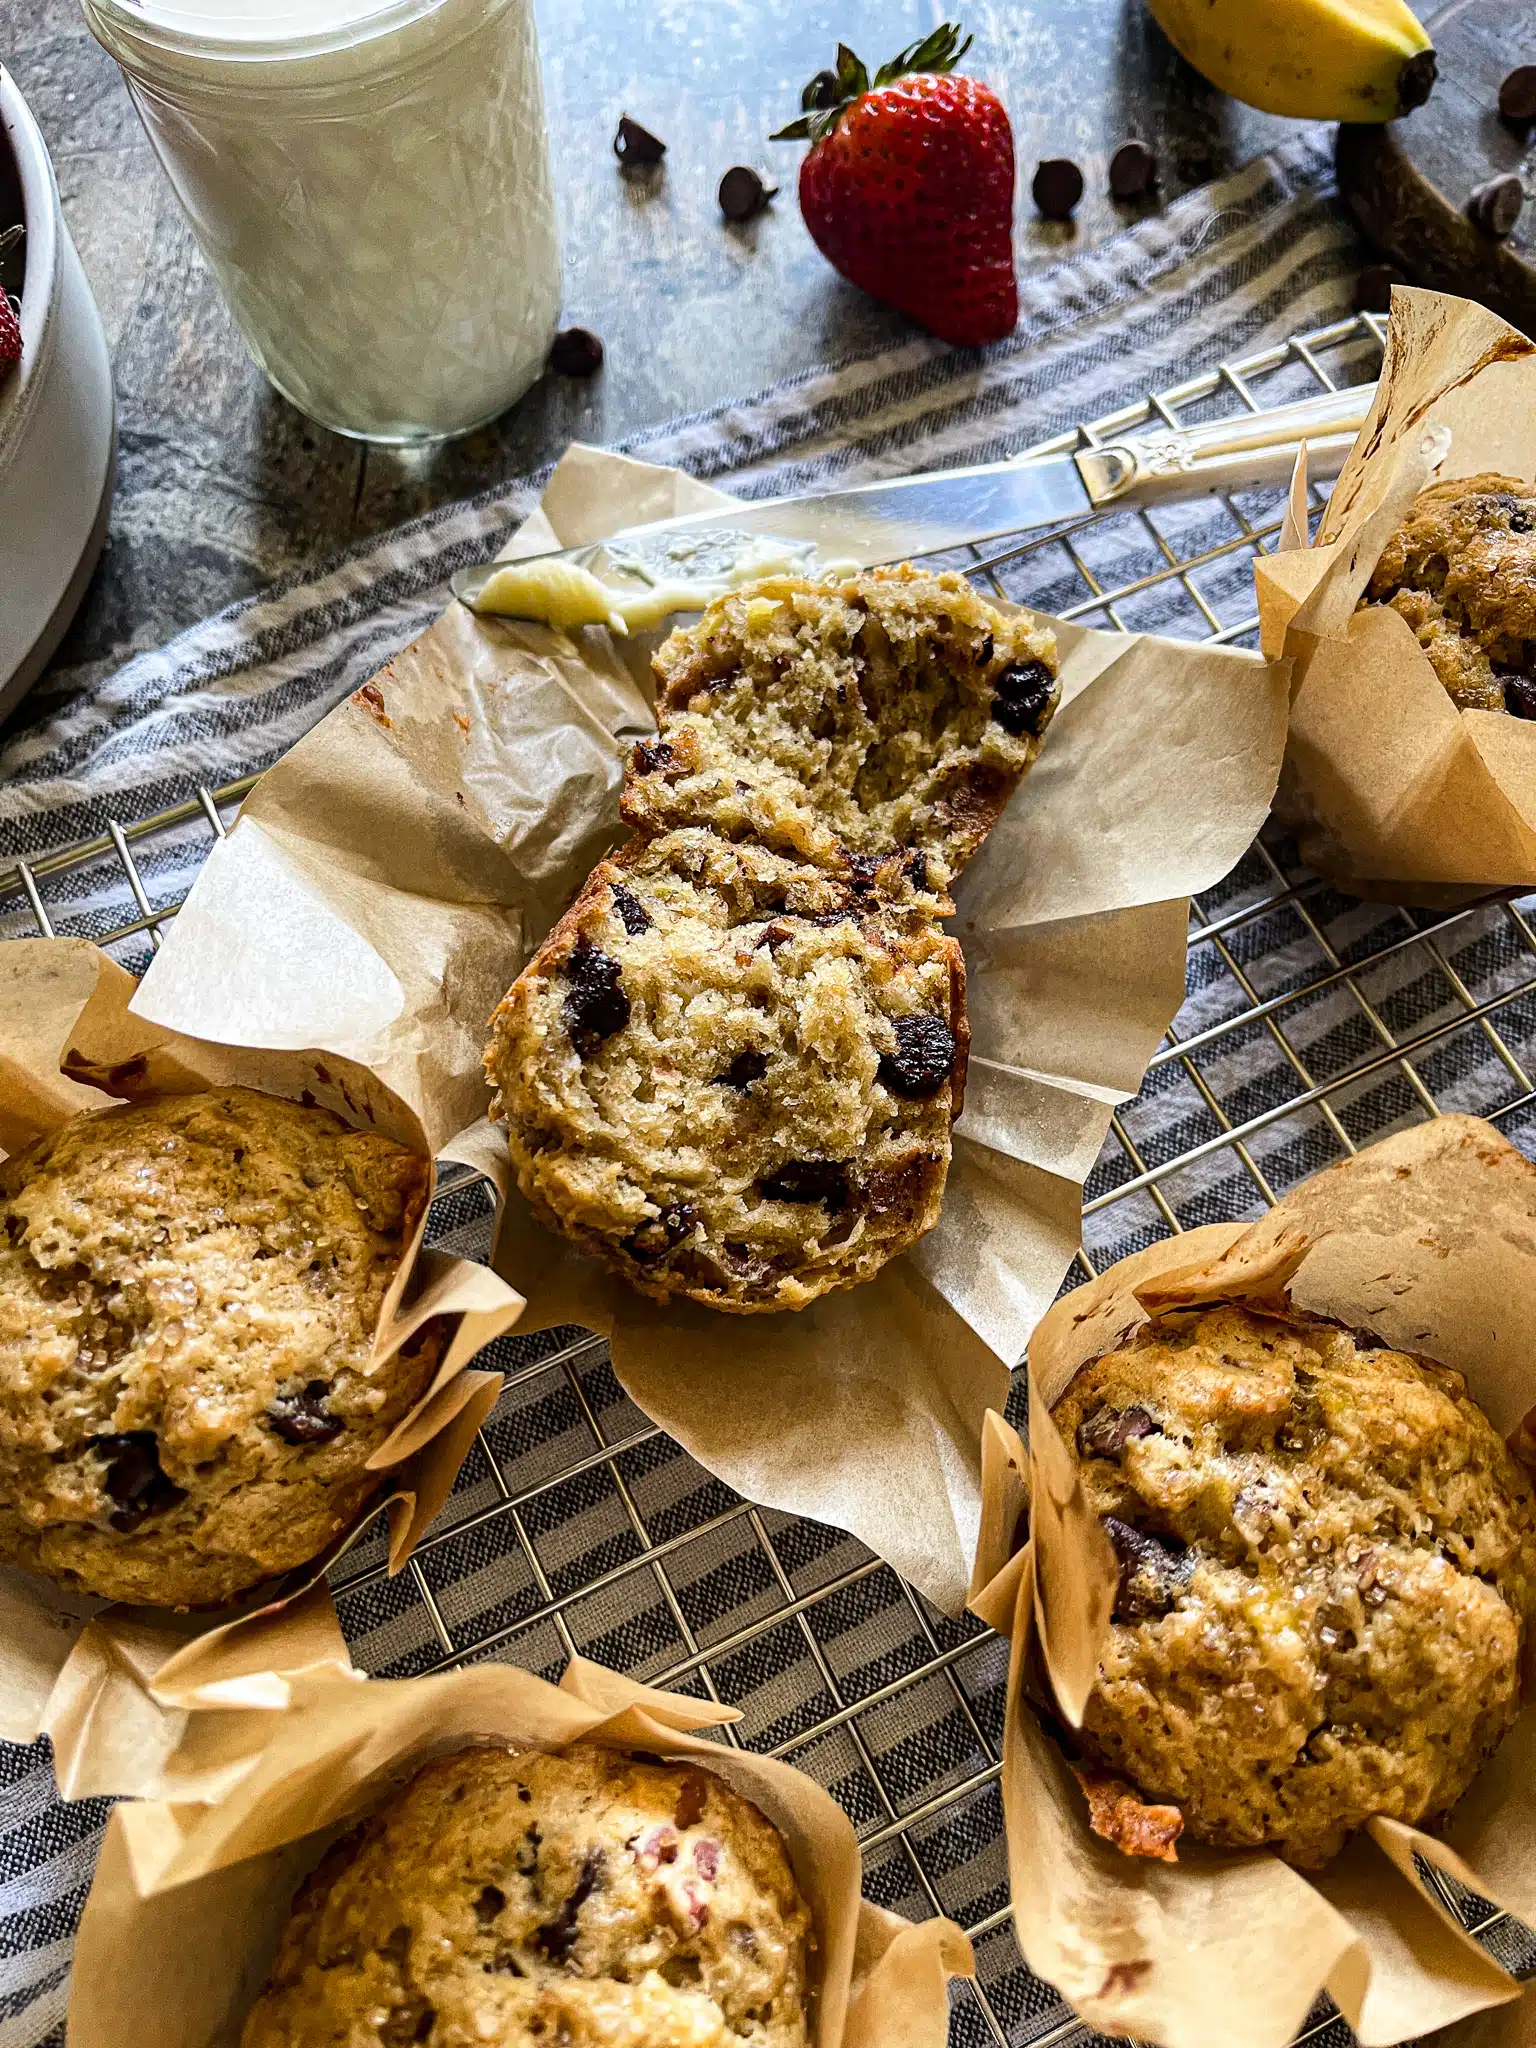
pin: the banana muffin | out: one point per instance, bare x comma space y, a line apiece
189, 1290
589, 1898
1327, 1571
732, 1076
1461, 570
895, 710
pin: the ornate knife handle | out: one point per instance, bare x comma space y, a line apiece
1244, 453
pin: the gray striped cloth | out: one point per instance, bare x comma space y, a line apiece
1221, 272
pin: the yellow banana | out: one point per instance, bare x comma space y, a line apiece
1316, 60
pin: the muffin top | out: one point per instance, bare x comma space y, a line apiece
589, 1898
1327, 1569
1461, 570
189, 1291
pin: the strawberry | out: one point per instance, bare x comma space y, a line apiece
10, 318
907, 187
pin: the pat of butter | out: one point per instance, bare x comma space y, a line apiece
560, 593
553, 592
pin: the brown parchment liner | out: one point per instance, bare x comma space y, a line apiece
191, 1893
411, 850
1390, 789
99, 1679
1428, 1239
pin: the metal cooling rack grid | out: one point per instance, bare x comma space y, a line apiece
1312, 1024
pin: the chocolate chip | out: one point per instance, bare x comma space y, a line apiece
1057, 187
134, 1480
923, 1060
557, 1937
692, 1797
1022, 696
632, 912
985, 652
1108, 1430
633, 144
742, 194
489, 1904
808, 1180
1520, 696
303, 1418
651, 755
917, 868
576, 352
824, 90
1494, 206
864, 870
657, 1236
1517, 93
1522, 517
747, 1067
1373, 287
597, 1006
773, 936
1153, 1571
1132, 170
527, 1857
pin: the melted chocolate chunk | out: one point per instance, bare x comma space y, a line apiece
632, 912
747, 1067
557, 1937
865, 871
917, 863
692, 1797
1022, 697
134, 1481
1107, 1431
489, 1904
808, 1180
657, 1236
1153, 1570
597, 1006
923, 1060
302, 1418
653, 754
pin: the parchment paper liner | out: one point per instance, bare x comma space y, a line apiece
1429, 1240
191, 1896
71, 1667
1390, 789
411, 850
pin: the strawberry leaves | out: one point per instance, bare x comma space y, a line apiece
830, 94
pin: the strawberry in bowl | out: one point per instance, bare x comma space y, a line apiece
907, 187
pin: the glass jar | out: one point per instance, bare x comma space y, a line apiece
371, 186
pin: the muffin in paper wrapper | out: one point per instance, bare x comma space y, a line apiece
1428, 1240
98, 1679
1391, 790
411, 852
192, 1893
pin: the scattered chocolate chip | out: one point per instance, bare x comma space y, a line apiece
1416, 81
527, 1858
1132, 171
597, 1006
824, 90
917, 867
1494, 206
489, 1904
923, 1060
651, 755
808, 1180
743, 194
134, 1481
1022, 695
557, 1937
985, 652
1522, 517
747, 1067
576, 352
657, 1236
632, 912
1108, 1430
1520, 696
1517, 94
1153, 1571
303, 1418
1057, 187
864, 870
1373, 287
825, 919
633, 144
692, 1798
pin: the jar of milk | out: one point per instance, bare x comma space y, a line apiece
370, 181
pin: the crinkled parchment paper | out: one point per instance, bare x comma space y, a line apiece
1386, 783
191, 1894
100, 1680
408, 854
1429, 1240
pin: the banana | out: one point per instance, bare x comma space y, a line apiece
1316, 60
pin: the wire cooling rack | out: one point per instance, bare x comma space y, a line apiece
1313, 1024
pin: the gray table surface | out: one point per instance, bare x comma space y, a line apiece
223, 485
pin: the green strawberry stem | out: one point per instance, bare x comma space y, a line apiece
939, 51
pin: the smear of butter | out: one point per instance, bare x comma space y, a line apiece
555, 593
559, 593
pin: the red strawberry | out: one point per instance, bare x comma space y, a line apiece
907, 187
10, 321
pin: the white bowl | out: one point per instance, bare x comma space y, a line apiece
58, 444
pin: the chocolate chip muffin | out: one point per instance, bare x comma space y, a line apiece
189, 1289
589, 1898
1328, 1568
1461, 570
891, 710
731, 1075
